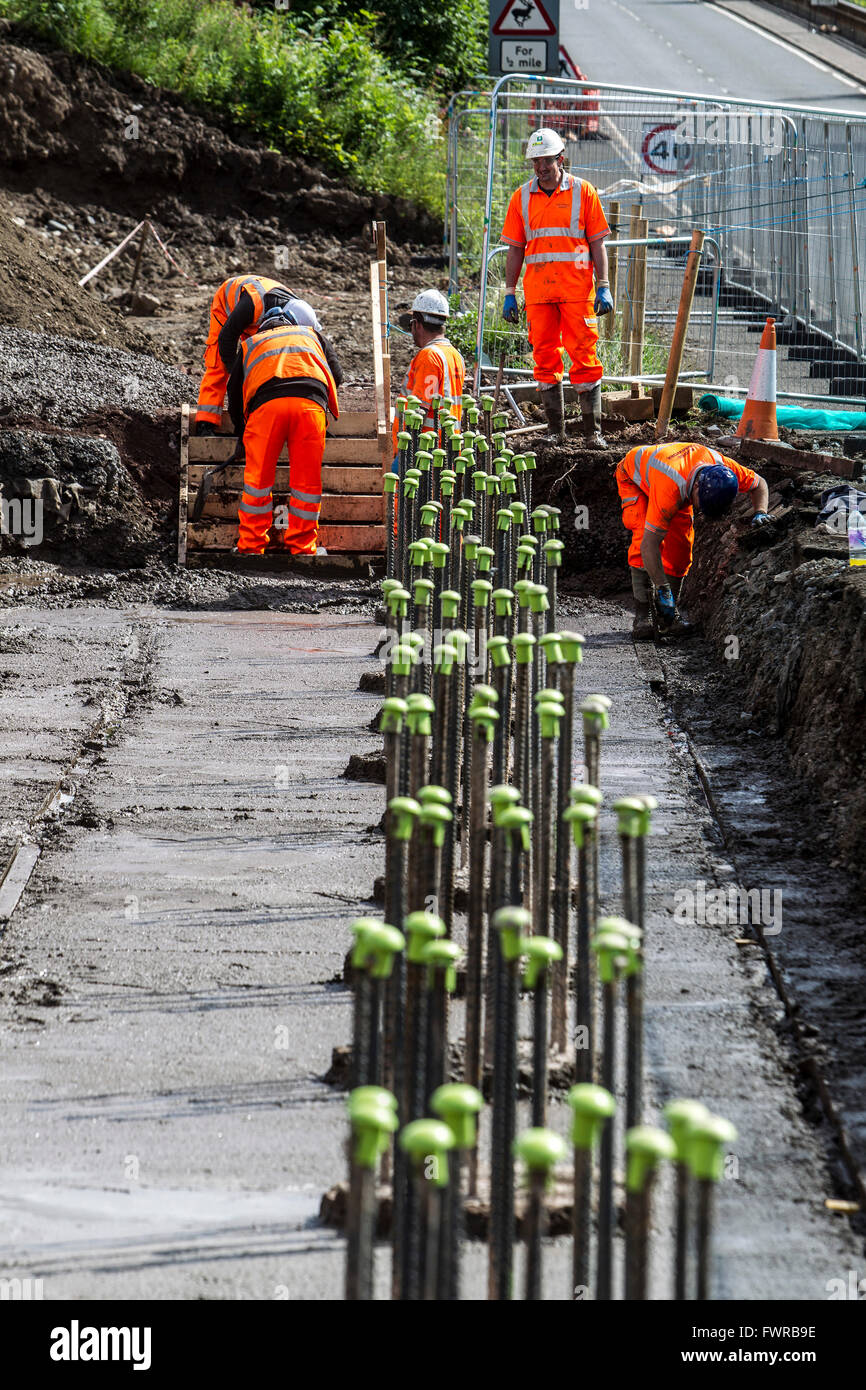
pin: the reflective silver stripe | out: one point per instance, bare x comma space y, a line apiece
439, 351
625, 500
305, 496
574, 257
302, 516
665, 468
258, 510
256, 357
555, 231
258, 491
203, 409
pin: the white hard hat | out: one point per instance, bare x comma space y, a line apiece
542, 143
304, 314
430, 304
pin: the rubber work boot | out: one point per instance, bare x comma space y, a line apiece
590, 410
551, 401
682, 626
641, 628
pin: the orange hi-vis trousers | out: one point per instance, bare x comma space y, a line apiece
300, 424
572, 326
678, 539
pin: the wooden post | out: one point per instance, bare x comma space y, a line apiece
628, 301
183, 495
145, 228
638, 315
609, 319
383, 421
379, 233
499, 375
687, 294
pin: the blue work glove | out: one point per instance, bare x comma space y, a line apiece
603, 302
665, 601
510, 312
760, 519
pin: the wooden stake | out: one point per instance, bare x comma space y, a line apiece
639, 307
687, 294
382, 405
145, 228
610, 319
628, 301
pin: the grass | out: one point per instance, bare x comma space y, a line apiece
327, 94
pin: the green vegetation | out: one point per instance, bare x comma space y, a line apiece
337, 85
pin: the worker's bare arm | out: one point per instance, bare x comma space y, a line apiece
598, 251
760, 495
513, 265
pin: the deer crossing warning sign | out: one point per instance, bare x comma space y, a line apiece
524, 37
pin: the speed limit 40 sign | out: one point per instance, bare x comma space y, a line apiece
663, 152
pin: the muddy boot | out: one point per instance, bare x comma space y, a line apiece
204, 430
682, 625
590, 410
551, 401
642, 627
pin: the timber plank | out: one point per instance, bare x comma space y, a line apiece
335, 479
219, 448
222, 535
335, 507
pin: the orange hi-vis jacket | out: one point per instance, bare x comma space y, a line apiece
556, 233
287, 353
436, 370
666, 474
225, 301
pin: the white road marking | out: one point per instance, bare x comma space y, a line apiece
788, 47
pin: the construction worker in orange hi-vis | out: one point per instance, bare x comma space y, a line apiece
555, 227
235, 313
437, 369
659, 485
284, 380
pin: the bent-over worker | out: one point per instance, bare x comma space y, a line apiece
556, 228
659, 485
282, 385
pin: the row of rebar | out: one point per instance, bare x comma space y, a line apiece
479, 734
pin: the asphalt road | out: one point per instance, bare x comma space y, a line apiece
700, 47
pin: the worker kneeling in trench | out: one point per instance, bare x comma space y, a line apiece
659, 485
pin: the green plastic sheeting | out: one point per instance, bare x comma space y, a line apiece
793, 417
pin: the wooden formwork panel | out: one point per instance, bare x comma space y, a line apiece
335, 478
217, 448
223, 506
223, 535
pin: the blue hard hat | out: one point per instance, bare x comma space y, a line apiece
717, 488
280, 316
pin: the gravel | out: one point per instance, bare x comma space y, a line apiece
63, 380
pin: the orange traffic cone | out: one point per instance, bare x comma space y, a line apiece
759, 416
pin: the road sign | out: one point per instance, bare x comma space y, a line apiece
524, 37
662, 152
524, 17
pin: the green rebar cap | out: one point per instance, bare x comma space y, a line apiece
418, 550
541, 1150
389, 483
518, 511
481, 444
485, 559
423, 461
631, 813
404, 439
433, 795
500, 463
585, 794
613, 952
479, 479
511, 922
470, 546
438, 458
517, 820
459, 639
462, 462
682, 1116
474, 414
418, 714
523, 644
484, 720
404, 813
500, 420
444, 657
487, 404
393, 713
550, 643
646, 1147
442, 955
416, 641
502, 601
421, 927
539, 520
538, 600
650, 804
591, 1106
376, 945
521, 591
373, 1116
706, 1147
554, 514
508, 482
518, 463
528, 543
458, 1105
428, 440
633, 935
410, 485
422, 592
581, 818
481, 591
595, 715
549, 714
484, 695
530, 461
459, 518
401, 657
397, 601
572, 645
541, 952
501, 797
498, 651
439, 553
525, 561
429, 512
427, 1143
468, 505
553, 553
450, 602
503, 518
